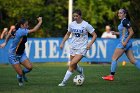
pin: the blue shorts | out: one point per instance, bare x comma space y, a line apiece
16, 59
127, 47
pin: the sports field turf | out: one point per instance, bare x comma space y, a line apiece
46, 76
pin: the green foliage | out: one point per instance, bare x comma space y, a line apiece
134, 13
100, 12
55, 14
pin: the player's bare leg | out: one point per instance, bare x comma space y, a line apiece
18, 69
72, 67
130, 56
28, 67
116, 55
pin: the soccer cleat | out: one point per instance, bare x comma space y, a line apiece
61, 84
109, 77
20, 82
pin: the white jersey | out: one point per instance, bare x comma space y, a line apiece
79, 39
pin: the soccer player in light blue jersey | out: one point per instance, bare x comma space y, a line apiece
79, 43
17, 53
125, 44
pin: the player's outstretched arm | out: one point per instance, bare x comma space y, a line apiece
37, 26
131, 32
6, 41
12, 28
115, 33
3, 33
94, 36
64, 39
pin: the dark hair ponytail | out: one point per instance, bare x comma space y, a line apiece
127, 14
17, 26
21, 22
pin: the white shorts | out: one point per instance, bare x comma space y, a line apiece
78, 51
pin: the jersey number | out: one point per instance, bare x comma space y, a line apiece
77, 35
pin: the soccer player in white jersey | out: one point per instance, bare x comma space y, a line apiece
79, 43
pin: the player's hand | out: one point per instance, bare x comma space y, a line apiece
12, 27
39, 19
113, 32
5, 29
124, 43
88, 46
61, 46
2, 45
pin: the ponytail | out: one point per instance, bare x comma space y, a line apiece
127, 14
17, 25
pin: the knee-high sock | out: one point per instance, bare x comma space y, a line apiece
113, 67
79, 69
67, 76
19, 76
25, 70
137, 64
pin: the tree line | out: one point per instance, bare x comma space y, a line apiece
55, 14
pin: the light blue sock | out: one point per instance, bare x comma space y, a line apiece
25, 70
113, 66
137, 64
79, 69
19, 76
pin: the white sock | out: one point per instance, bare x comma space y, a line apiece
67, 76
78, 69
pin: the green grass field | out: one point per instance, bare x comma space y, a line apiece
45, 77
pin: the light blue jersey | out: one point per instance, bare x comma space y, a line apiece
17, 49
123, 30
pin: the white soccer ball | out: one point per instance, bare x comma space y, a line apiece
78, 80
